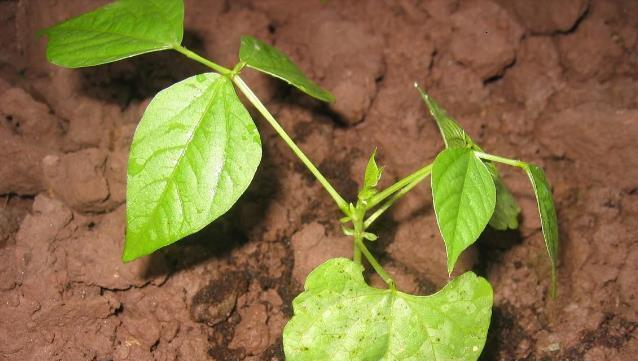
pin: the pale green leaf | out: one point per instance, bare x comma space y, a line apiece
464, 198
118, 30
194, 153
506, 210
371, 178
340, 318
549, 221
372, 172
267, 59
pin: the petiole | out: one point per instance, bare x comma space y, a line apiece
496, 158
379, 197
192, 55
376, 265
252, 98
403, 191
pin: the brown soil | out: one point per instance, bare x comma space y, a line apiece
555, 83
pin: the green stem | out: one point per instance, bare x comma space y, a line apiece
357, 254
395, 197
379, 197
191, 55
496, 158
376, 265
358, 214
252, 98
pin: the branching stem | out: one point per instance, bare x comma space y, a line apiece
357, 214
252, 98
234, 76
379, 197
396, 196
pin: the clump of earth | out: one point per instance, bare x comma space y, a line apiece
554, 83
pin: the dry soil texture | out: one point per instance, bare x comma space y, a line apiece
555, 83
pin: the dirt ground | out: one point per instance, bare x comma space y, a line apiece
555, 83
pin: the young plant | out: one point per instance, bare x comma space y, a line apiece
196, 150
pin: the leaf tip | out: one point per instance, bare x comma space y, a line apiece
451, 261
127, 255
130, 253
330, 98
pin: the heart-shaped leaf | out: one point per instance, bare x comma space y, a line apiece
194, 153
506, 210
118, 30
549, 221
464, 199
339, 317
267, 59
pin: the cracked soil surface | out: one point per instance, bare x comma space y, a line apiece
554, 83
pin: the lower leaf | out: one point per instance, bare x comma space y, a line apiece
339, 317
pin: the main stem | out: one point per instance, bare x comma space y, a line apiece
341, 203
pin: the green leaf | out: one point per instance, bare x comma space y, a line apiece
549, 221
506, 210
372, 173
464, 198
267, 59
116, 31
453, 135
194, 153
339, 317
371, 178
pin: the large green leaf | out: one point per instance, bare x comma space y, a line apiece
464, 198
506, 210
118, 30
194, 153
265, 58
549, 221
340, 318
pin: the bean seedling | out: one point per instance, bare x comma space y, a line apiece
196, 150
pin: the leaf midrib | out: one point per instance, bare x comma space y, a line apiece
458, 208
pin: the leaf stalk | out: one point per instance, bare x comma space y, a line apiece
396, 196
379, 197
376, 265
254, 100
499, 159
194, 56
